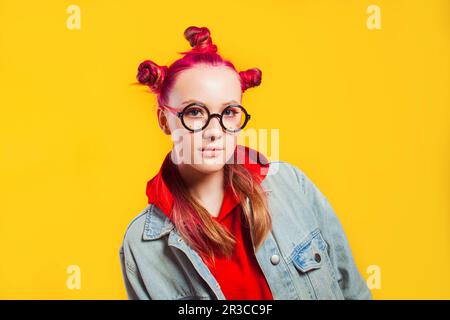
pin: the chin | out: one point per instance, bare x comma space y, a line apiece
208, 167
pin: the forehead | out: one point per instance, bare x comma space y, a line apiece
208, 84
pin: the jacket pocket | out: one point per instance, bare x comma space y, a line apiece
311, 259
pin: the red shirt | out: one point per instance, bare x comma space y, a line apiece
240, 276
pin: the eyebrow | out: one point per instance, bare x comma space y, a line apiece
197, 101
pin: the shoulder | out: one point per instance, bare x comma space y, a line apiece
286, 173
283, 174
288, 183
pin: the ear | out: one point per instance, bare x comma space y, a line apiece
163, 122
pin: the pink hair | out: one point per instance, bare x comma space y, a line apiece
160, 79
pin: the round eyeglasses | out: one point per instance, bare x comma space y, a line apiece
196, 117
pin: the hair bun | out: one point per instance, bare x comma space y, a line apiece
200, 39
250, 78
151, 74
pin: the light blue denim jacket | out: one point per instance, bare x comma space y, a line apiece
305, 256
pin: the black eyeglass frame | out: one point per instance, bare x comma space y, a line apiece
180, 115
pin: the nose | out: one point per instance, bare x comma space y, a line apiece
214, 129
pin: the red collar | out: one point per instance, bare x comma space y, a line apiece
158, 191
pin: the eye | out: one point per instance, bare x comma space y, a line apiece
194, 112
231, 111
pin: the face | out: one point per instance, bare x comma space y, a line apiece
216, 88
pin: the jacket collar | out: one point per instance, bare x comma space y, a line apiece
158, 219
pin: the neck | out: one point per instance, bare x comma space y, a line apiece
206, 188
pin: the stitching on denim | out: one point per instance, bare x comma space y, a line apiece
130, 267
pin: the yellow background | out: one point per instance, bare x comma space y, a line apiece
365, 113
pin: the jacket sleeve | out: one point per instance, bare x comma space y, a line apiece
134, 285
351, 282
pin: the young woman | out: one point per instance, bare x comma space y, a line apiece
222, 222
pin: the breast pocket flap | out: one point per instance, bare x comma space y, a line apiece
309, 255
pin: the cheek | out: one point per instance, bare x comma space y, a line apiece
174, 124
186, 144
230, 144
194, 141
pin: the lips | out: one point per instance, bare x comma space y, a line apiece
211, 151
211, 148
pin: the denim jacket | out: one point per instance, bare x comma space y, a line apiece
305, 256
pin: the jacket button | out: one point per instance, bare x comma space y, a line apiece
275, 259
317, 257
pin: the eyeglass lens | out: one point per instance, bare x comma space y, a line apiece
195, 117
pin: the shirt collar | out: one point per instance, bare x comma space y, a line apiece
158, 188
